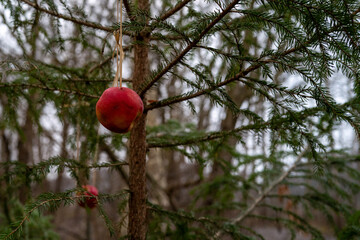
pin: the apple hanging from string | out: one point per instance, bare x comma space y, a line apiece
89, 195
118, 108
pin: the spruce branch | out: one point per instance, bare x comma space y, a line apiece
188, 48
37, 206
182, 215
302, 223
28, 215
244, 73
174, 141
53, 201
38, 86
69, 18
241, 74
199, 93
41, 169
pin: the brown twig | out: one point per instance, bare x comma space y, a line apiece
172, 11
128, 10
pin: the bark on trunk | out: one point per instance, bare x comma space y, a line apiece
137, 151
137, 181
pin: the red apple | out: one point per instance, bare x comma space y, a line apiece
118, 108
88, 199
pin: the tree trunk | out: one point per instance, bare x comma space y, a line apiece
25, 154
137, 151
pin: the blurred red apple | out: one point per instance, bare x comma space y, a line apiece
88, 199
118, 108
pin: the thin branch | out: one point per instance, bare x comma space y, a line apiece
69, 18
267, 191
29, 213
202, 92
172, 11
270, 188
222, 134
183, 185
86, 23
26, 85
105, 148
188, 48
170, 37
128, 10
208, 137
101, 64
189, 217
38, 206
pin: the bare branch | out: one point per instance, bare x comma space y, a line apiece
174, 10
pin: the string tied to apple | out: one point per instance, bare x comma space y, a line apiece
119, 107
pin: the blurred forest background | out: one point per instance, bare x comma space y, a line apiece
251, 134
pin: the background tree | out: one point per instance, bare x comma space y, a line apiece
250, 128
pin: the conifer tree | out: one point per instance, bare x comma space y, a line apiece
246, 127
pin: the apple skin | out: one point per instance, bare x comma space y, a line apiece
88, 201
118, 108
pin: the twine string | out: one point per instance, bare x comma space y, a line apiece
96, 156
78, 138
118, 46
